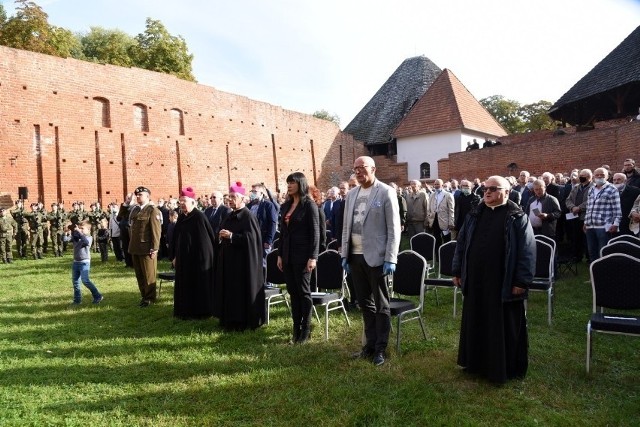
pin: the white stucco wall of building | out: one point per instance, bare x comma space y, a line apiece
430, 148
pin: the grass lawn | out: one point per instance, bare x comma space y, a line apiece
118, 365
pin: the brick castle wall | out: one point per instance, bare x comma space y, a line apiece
74, 130
539, 152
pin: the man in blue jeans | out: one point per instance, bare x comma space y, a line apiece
81, 238
603, 213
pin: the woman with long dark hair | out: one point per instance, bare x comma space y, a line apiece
298, 251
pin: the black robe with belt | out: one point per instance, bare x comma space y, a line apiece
239, 292
192, 247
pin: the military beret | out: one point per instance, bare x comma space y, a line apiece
141, 189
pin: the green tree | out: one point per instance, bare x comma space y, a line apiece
107, 46
3, 15
535, 116
325, 115
505, 111
157, 50
30, 30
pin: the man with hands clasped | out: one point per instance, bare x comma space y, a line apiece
369, 250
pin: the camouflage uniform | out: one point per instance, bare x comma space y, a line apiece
95, 216
8, 227
22, 231
36, 225
57, 219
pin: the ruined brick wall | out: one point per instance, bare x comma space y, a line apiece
73, 130
540, 152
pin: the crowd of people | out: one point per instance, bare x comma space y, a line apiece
218, 243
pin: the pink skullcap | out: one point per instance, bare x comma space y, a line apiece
237, 188
188, 192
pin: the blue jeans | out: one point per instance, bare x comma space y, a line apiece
596, 239
80, 271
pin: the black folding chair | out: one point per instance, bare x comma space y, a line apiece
544, 279
274, 294
329, 286
614, 280
408, 281
444, 277
621, 247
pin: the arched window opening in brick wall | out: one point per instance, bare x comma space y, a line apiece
140, 118
177, 121
101, 112
425, 170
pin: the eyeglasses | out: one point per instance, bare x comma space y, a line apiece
492, 189
360, 168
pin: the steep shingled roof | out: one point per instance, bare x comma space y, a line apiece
621, 67
374, 124
447, 105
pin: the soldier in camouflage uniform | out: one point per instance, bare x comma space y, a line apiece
95, 217
57, 219
22, 232
77, 214
8, 227
36, 225
45, 228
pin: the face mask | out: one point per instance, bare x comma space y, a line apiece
466, 191
438, 190
620, 187
600, 181
253, 196
583, 179
529, 185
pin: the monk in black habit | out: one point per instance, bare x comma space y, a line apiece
494, 263
239, 294
191, 253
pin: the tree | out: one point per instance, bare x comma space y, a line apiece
505, 111
3, 15
325, 115
157, 50
535, 116
29, 29
107, 46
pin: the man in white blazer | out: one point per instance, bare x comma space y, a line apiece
441, 213
370, 243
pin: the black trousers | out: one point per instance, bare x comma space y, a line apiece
373, 299
299, 288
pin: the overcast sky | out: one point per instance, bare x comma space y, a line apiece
335, 54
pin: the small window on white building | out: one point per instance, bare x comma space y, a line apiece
425, 170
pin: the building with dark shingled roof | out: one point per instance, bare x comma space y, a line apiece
375, 123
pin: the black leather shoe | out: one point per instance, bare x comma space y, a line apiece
362, 354
145, 303
378, 359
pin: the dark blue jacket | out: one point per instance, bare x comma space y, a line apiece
520, 251
268, 219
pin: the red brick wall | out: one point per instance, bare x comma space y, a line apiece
539, 152
227, 137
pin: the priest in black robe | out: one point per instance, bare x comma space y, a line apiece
191, 253
239, 292
494, 263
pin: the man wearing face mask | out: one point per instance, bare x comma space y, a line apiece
603, 214
465, 201
441, 213
628, 195
266, 213
577, 204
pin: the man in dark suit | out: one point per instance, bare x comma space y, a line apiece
327, 207
524, 188
369, 250
216, 212
628, 195
267, 215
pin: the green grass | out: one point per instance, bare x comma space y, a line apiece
118, 365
